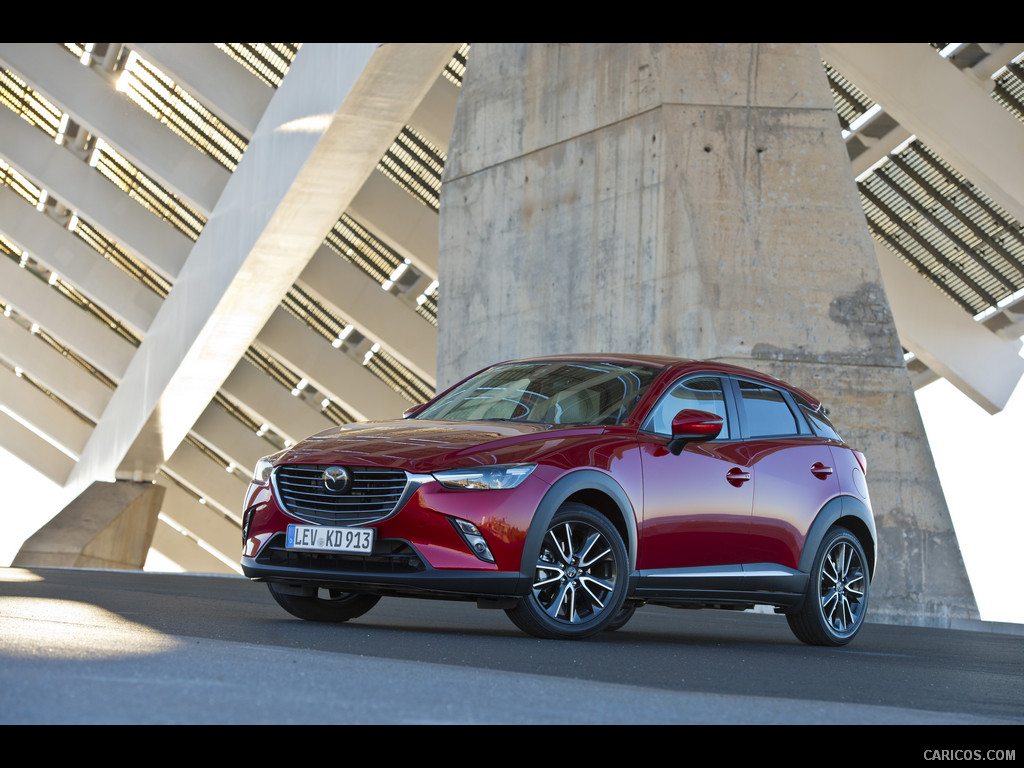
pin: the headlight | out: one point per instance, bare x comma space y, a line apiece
485, 478
264, 467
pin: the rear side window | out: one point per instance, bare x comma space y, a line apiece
700, 393
766, 410
819, 423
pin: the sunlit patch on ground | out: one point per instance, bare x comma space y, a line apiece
46, 628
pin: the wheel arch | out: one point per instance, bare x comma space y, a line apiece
594, 489
850, 513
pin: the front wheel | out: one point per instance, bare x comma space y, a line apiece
580, 578
837, 593
330, 605
622, 619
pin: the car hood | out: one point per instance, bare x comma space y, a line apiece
426, 446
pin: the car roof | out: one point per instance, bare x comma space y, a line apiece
680, 365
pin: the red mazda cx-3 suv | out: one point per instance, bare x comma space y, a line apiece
571, 490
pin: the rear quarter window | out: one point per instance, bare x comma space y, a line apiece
819, 423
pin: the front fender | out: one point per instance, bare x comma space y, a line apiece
588, 485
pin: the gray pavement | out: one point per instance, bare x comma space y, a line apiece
136, 648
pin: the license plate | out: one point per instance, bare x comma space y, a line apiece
327, 539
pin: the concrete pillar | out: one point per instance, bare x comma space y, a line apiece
693, 200
109, 525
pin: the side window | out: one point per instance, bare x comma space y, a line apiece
820, 423
700, 393
766, 411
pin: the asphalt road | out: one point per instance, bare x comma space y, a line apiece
134, 648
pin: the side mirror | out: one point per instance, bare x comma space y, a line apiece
410, 412
690, 425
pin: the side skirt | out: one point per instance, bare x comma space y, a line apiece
723, 586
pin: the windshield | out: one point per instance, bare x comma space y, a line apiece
557, 392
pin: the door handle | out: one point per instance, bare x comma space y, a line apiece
820, 471
737, 476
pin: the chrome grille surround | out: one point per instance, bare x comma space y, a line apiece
373, 494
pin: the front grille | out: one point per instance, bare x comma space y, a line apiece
374, 493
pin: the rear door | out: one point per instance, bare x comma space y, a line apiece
793, 471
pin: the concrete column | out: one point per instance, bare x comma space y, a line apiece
693, 200
110, 525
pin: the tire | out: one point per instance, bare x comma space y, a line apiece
580, 578
622, 619
336, 606
837, 593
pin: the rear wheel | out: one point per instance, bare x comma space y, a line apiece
837, 593
331, 605
579, 580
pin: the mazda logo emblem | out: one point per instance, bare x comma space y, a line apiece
337, 479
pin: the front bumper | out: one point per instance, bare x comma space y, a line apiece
417, 549
395, 568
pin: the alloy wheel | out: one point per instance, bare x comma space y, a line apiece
842, 588
576, 573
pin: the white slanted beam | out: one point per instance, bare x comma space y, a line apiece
947, 109
37, 452
212, 77
220, 537
288, 416
982, 365
330, 370
333, 117
230, 438
401, 221
194, 469
436, 114
51, 369
66, 254
64, 320
377, 314
45, 416
92, 101
71, 181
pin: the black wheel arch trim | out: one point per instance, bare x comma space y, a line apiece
567, 486
839, 510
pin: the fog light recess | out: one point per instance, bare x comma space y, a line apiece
474, 539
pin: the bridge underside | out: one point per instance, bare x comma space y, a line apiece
215, 250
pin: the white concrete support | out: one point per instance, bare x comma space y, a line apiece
286, 415
949, 111
71, 325
979, 363
229, 437
183, 551
51, 369
878, 150
62, 252
202, 522
195, 470
333, 117
211, 76
48, 417
398, 219
84, 190
90, 100
330, 370
377, 314
436, 114
38, 453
